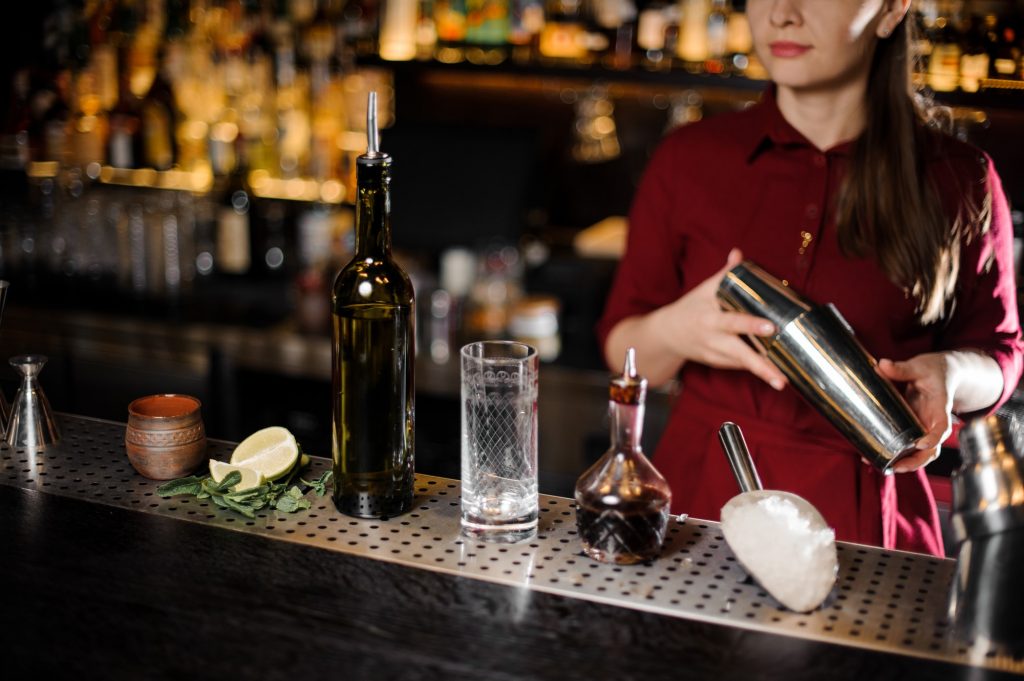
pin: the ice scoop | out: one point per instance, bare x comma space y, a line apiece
778, 537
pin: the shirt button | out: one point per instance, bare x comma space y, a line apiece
811, 211
819, 160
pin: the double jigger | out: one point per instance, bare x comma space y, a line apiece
28, 423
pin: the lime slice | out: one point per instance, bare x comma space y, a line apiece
271, 452
250, 477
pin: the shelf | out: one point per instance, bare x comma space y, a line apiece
993, 94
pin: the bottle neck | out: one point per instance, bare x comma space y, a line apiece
627, 423
373, 210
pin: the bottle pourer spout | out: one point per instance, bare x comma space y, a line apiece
372, 137
629, 369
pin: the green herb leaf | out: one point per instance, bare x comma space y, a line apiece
190, 485
220, 501
288, 504
295, 492
241, 508
320, 484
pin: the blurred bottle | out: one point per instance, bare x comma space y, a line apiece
740, 44
944, 63
125, 147
89, 126
450, 22
159, 121
650, 37
974, 56
616, 21
693, 47
398, 24
718, 37
498, 285
534, 321
487, 30
234, 230
426, 30
525, 27
1007, 52
564, 36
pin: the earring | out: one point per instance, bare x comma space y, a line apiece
885, 32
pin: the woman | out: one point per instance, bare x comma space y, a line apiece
835, 184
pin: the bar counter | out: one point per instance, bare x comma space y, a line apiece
103, 578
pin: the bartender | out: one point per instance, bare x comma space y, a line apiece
839, 183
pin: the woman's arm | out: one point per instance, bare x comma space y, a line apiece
693, 328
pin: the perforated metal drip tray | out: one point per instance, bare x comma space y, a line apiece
884, 600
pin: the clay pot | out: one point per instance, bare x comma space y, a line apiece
165, 437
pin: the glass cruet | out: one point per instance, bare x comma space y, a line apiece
622, 501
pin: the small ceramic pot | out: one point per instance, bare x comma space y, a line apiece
165, 437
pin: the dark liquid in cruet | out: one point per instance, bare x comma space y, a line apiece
630, 532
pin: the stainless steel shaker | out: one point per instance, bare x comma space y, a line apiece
817, 350
987, 595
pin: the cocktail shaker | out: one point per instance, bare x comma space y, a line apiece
817, 350
987, 595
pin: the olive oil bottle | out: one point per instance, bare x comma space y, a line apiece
373, 351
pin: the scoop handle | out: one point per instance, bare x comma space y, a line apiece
735, 447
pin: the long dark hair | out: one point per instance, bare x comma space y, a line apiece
888, 207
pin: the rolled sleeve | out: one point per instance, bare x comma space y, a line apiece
986, 317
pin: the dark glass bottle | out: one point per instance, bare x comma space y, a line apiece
159, 114
622, 501
234, 216
373, 349
125, 144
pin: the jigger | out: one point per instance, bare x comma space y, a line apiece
32, 425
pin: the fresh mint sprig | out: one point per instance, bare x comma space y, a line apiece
281, 495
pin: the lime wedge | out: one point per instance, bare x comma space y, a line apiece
250, 477
271, 452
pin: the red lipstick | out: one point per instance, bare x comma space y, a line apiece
786, 49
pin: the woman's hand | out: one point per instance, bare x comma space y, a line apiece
937, 384
930, 394
696, 329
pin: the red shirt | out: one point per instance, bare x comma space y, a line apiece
751, 180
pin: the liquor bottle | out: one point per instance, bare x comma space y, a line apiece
373, 351
124, 146
944, 62
622, 501
615, 24
159, 122
718, 36
450, 24
398, 22
564, 36
487, 30
650, 37
234, 230
1006, 55
692, 47
974, 57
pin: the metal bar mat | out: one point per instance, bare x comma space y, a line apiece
884, 600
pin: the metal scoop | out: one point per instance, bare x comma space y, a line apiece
778, 537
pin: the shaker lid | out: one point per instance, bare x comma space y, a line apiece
628, 387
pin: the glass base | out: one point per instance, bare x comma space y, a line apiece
503, 533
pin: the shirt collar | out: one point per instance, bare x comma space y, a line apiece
769, 129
